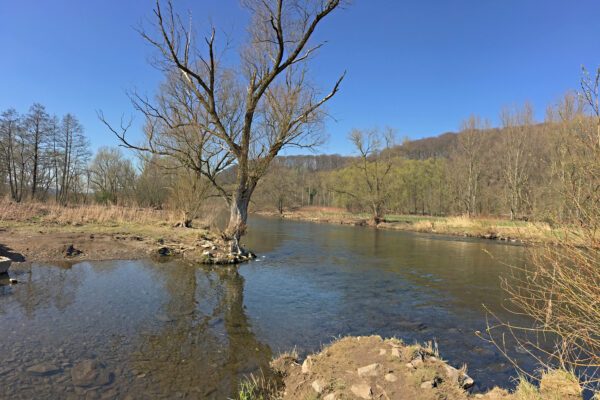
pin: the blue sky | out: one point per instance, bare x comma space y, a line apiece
420, 66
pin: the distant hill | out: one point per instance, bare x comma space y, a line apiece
420, 149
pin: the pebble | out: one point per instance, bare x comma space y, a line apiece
390, 378
89, 373
427, 385
43, 369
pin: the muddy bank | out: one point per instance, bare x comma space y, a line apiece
374, 368
91, 243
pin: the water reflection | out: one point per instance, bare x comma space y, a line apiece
164, 331
169, 330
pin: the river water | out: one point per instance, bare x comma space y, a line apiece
170, 330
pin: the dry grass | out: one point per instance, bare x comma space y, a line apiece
83, 214
534, 232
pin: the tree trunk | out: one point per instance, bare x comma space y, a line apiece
238, 218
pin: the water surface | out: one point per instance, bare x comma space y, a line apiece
171, 330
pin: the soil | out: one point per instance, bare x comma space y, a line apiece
40, 245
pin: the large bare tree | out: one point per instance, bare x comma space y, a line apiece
211, 115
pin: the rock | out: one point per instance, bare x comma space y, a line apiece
396, 352
4, 264
362, 390
369, 370
330, 396
382, 352
417, 362
390, 377
458, 378
466, 381
307, 365
318, 386
427, 385
165, 251
71, 251
164, 317
44, 369
90, 373
409, 365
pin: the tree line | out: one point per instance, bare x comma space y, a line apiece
44, 157
523, 169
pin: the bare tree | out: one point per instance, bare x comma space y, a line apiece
516, 157
112, 176
560, 290
14, 152
72, 154
373, 169
468, 158
37, 125
212, 116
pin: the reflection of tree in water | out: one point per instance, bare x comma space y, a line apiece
205, 344
46, 286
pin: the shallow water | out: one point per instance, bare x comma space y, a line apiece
172, 330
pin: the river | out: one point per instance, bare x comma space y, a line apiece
170, 330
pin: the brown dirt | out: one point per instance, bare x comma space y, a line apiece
374, 368
52, 246
37, 242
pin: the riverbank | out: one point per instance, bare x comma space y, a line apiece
370, 367
36, 232
484, 228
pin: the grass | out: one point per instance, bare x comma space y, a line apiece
256, 388
94, 219
461, 225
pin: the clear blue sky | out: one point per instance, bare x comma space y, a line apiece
420, 65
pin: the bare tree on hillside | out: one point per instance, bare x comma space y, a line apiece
468, 161
211, 116
517, 156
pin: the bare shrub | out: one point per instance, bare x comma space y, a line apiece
560, 289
